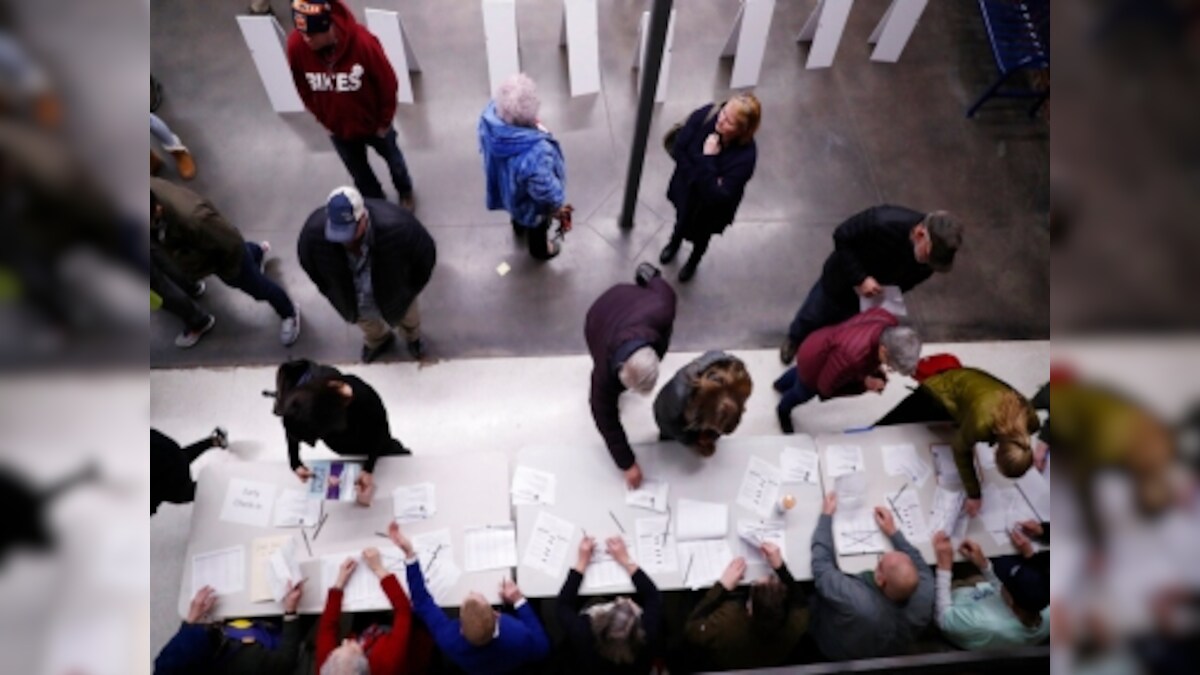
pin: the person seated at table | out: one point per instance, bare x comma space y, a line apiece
756, 631
170, 472
236, 647
703, 401
318, 403
401, 647
1010, 608
628, 331
879, 613
847, 360
985, 410
621, 636
481, 640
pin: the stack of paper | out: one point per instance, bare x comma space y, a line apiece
752, 534
948, 515
491, 547
854, 528
903, 460
224, 570
760, 487
548, 543
531, 486
656, 547
412, 503
435, 550
603, 571
363, 591
248, 502
261, 551
283, 569
843, 459
295, 508
334, 480
704, 561
701, 520
651, 495
800, 464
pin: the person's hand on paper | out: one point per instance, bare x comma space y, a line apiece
291, 599
869, 288
1041, 453
303, 473
885, 521
347, 568
1021, 542
876, 383
400, 540
633, 476
772, 553
733, 573
202, 604
617, 549
943, 550
973, 506
365, 486
586, 546
510, 593
374, 561
830, 505
972, 551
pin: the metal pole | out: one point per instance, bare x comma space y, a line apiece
660, 15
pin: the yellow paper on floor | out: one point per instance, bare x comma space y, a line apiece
260, 553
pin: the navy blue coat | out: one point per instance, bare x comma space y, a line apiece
707, 189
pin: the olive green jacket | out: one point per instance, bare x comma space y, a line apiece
195, 235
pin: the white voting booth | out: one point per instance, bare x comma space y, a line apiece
581, 36
266, 39
748, 41
824, 29
500, 37
388, 27
895, 28
639, 59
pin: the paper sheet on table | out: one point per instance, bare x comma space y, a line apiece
260, 563
854, 528
413, 503
363, 591
294, 508
435, 550
323, 484
283, 567
800, 465
248, 502
945, 468
651, 495
656, 547
603, 571
760, 487
985, 453
1036, 489
891, 299
700, 520
906, 505
903, 460
532, 486
995, 509
547, 547
843, 459
947, 514
703, 562
224, 570
754, 533
490, 547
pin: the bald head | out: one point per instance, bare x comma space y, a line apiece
896, 576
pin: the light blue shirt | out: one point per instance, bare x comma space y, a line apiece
976, 617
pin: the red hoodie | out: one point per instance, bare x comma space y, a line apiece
354, 95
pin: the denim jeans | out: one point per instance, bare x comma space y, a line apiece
353, 152
820, 309
254, 283
794, 393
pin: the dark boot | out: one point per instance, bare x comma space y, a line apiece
668, 253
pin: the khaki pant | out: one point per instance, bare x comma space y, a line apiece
375, 331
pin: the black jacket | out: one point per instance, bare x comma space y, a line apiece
366, 431
402, 259
874, 243
624, 319
582, 641
707, 189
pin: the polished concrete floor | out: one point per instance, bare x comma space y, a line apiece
832, 142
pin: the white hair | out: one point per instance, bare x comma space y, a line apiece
640, 370
517, 101
345, 662
903, 348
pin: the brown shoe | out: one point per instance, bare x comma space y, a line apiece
155, 163
184, 164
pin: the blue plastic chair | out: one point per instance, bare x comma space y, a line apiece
1019, 33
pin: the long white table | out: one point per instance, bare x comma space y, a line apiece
471, 491
590, 486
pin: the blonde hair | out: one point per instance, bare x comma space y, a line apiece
478, 621
718, 397
746, 110
1010, 424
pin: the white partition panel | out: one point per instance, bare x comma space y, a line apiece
581, 32
824, 30
895, 28
639, 59
500, 34
266, 40
389, 29
748, 41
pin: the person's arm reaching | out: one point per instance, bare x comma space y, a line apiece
964, 459
650, 600
846, 239
607, 415
538, 643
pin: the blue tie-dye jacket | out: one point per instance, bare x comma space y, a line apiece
523, 166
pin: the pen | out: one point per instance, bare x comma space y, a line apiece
320, 524
306, 544
667, 529
614, 517
689, 569
436, 551
381, 534
900, 493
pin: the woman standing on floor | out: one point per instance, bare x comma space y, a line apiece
715, 154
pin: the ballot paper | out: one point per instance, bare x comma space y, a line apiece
704, 561
700, 520
905, 504
854, 528
333, 480
603, 571
986, 453
248, 502
547, 547
490, 547
752, 534
363, 591
656, 547
994, 512
947, 513
435, 550
283, 568
890, 298
224, 570
800, 465
1034, 487
843, 459
413, 503
652, 494
531, 486
261, 550
294, 508
760, 487
903, 460
945, 468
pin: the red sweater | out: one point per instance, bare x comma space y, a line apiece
836, 359
353, 93
386, 653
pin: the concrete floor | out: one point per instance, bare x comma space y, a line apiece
833, 142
